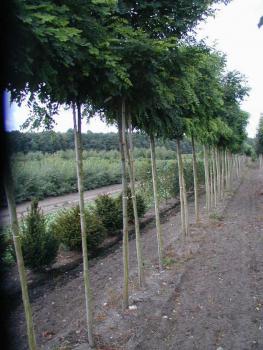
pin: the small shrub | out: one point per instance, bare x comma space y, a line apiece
168, 261
66, 228
107, 210
216, 216
96, 232
141, 207
39, 246
7, 254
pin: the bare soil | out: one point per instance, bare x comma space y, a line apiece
209, 296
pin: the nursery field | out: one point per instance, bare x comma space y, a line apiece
40, 175
211, 283
146, 238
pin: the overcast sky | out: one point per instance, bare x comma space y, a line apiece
235, 32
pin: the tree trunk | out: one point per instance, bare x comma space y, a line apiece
8, 185
131, 170
156, 203
218, 173
214, 176
207, 180
183, 197
226, 171
185, 203
125, 241
222, 173
211, 179
197, 216
79, 165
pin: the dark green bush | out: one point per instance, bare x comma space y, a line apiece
96, 232
66, 228
39, 246
141, 207
109, 212
7, 254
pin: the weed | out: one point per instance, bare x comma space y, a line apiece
216, 216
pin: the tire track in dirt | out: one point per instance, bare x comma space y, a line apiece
206, 299
219, 303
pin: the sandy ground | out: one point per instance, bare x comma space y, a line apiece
210, 295
52, 204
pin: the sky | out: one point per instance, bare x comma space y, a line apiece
234, 31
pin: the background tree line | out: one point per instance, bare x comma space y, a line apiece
50, 141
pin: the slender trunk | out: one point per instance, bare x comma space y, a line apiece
185, 202
156, 203
79, 165
9, 191
211, 187
237, 165
218, 173
222, 173
197, 216
181, 189
231, 169
125, 241
214, 176
226, 171
131, 170
207, 180
183, 196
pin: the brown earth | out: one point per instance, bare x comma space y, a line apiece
210, 295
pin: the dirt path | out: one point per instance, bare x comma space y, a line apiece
52, 204
210, 296
219, 301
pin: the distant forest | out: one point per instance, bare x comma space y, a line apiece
51, 141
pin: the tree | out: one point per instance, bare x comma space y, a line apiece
33, 23
259, 141
71, 51
8, 185
260, 23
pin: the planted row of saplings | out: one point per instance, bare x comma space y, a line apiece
40, 239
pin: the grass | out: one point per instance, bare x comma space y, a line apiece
216, 216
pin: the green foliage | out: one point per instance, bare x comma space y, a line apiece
7, 254
165, 18
39, 246
52, 175
168, 261
109, 212
167, 179
52, 142
67, 230
141, 207
42, 175
259, 136
216, 216
249, 151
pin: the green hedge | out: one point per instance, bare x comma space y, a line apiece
40, 175
167, 179
67, 230
39, 246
